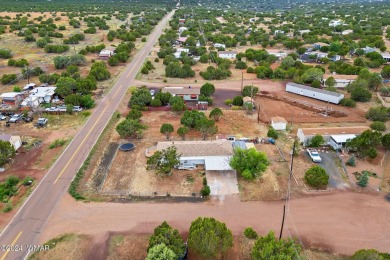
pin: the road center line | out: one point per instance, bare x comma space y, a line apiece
85, 138
12, 244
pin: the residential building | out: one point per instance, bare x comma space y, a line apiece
213, 155
301, 32
181, 40
182, 29
45, 94
306, 134
279, 32
219, 45
105, 54
178, 52
318, 45
278, 123
315, 93
335, 23
386, 56
15, 140
346, 32
227, 54
11, 98
342, 81
338, 141
182, 21
368, 49
187, 93
279, 55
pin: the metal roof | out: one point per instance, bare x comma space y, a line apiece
322, 91
342, 138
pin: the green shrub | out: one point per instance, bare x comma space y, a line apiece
205, 191
57, 143
228, 102
250, 233
156, 60
7, 207
272, 133
351, 161
347, 102
363, 180
204, 181
238, 101
378, 125
27, 181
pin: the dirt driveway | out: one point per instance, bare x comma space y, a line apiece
222, 183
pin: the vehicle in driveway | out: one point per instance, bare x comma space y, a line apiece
77, 109
2, 117
152, 92
15, 118
41, 122
27, 119
51, 109
61, 108
314, 155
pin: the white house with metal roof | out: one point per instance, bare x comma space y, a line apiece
339, 141
214, 155
316, 93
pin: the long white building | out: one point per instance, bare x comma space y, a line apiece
316, 93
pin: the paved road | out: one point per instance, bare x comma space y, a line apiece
30, 221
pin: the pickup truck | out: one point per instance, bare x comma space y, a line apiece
314, 155
41, 122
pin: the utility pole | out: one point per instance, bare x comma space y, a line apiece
242, 80
258, 114
292, 117
286, 202
28, 74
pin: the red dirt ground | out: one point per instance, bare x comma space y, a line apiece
341, 222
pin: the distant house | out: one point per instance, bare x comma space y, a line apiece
278, 123
306, 134
182, 29
315, 93
181, 40
182, 21
177, 54
342, 81
279, 55
368, 49
227, 54
15, 140
319, 55
11, 98
386, 56
301, 32
187, 93
29, 86
30, 101
335, 23
213, 155
105, 54
219, 45
279, 32
318, 45
346, 32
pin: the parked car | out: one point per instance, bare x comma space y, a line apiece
56, 100
15, 118
2, 117
41, 122
27, 119
61, 108
314, 155
77, 109
51, 109
152, 92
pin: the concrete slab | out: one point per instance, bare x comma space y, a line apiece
222, 182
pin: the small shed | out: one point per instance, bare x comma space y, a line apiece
11, 97
278, 123
15, 140
106, 54
320, 94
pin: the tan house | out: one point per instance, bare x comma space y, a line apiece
187, 93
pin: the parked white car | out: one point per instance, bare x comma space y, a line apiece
152, 92
2, 117
314, 155
77, 109
15, 118
61, 108
51, 109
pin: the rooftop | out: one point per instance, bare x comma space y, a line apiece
355, 130
278, 119
227, 52
349, 77
199, 148
322, 91
10, 94
181, 90
5, 137
342, 138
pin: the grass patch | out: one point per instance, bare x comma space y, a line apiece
73, 188
57, 143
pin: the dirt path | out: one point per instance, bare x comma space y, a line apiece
342, 222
